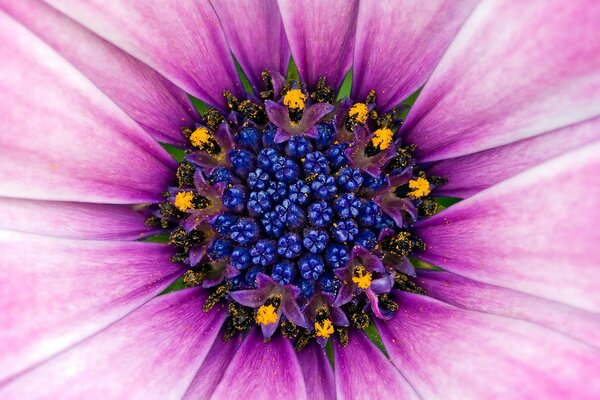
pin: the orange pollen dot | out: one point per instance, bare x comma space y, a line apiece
200, 137
294, 99
382, 138
324, 329
361, 277
184, 201
266, 314
360, 112
420, 187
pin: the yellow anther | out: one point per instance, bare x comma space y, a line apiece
359, 112
294, 99
324, 329
361, 277
382, 138
200, 137
266, 314
184, 201
419, 186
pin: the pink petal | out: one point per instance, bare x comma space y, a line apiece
472, 173
363, 372
318, 374
154, 352
450, 353
399, 44
181, 40
56, 292
477, 296
73, 220
515, 70
321, 36
263, 371
256, 37
536, 232
62, 139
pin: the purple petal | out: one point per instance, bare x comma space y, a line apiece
469, 174
256, 37
145, 355
450, 353
263, 370
399, 44
321, 36
317, 371
477, 296
536, 232
363, 372
65, 140
278, 114
56, 292
486, 93
181, 40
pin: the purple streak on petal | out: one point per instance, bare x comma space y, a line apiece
398, 45
56, 292
447, 352
220, 272
394, 206
65, 140
518, 84
478, 296
278, 114
536, 232
361, 256
251, 298
263, 371
317, 371
363, 372
374, 303
321, 36
256, 37
181, 40
400, 264
121, 361
156, 104
472, 173
292, 311
346, 290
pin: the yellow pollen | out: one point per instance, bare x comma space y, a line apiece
184, 201
266, 314
360, 112
382, 138
294, 99
361, 277
419, 186
200, 137
324, 329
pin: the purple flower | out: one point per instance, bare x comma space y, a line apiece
297, 220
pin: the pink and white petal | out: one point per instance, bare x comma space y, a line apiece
63, 139
503, 80
478, 296
321, 37
318, 374
211, 372
451, 353
536, 232
472, 173
153, 353
256, 37
263, 371
74, 220
182, 40
148, 98
56, 292
363, 372
398, 44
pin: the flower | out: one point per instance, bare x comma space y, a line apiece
299, 220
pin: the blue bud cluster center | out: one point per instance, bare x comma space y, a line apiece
293, 210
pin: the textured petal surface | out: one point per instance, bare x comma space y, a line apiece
55, 292
182, 40
472, 173
450, 353
153, 353
61, 138
263, 371
477, 296
363, 372
398, 44
73, 220
321, 36
318, 374
152, 101
256, 37
536, 232
515, 70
